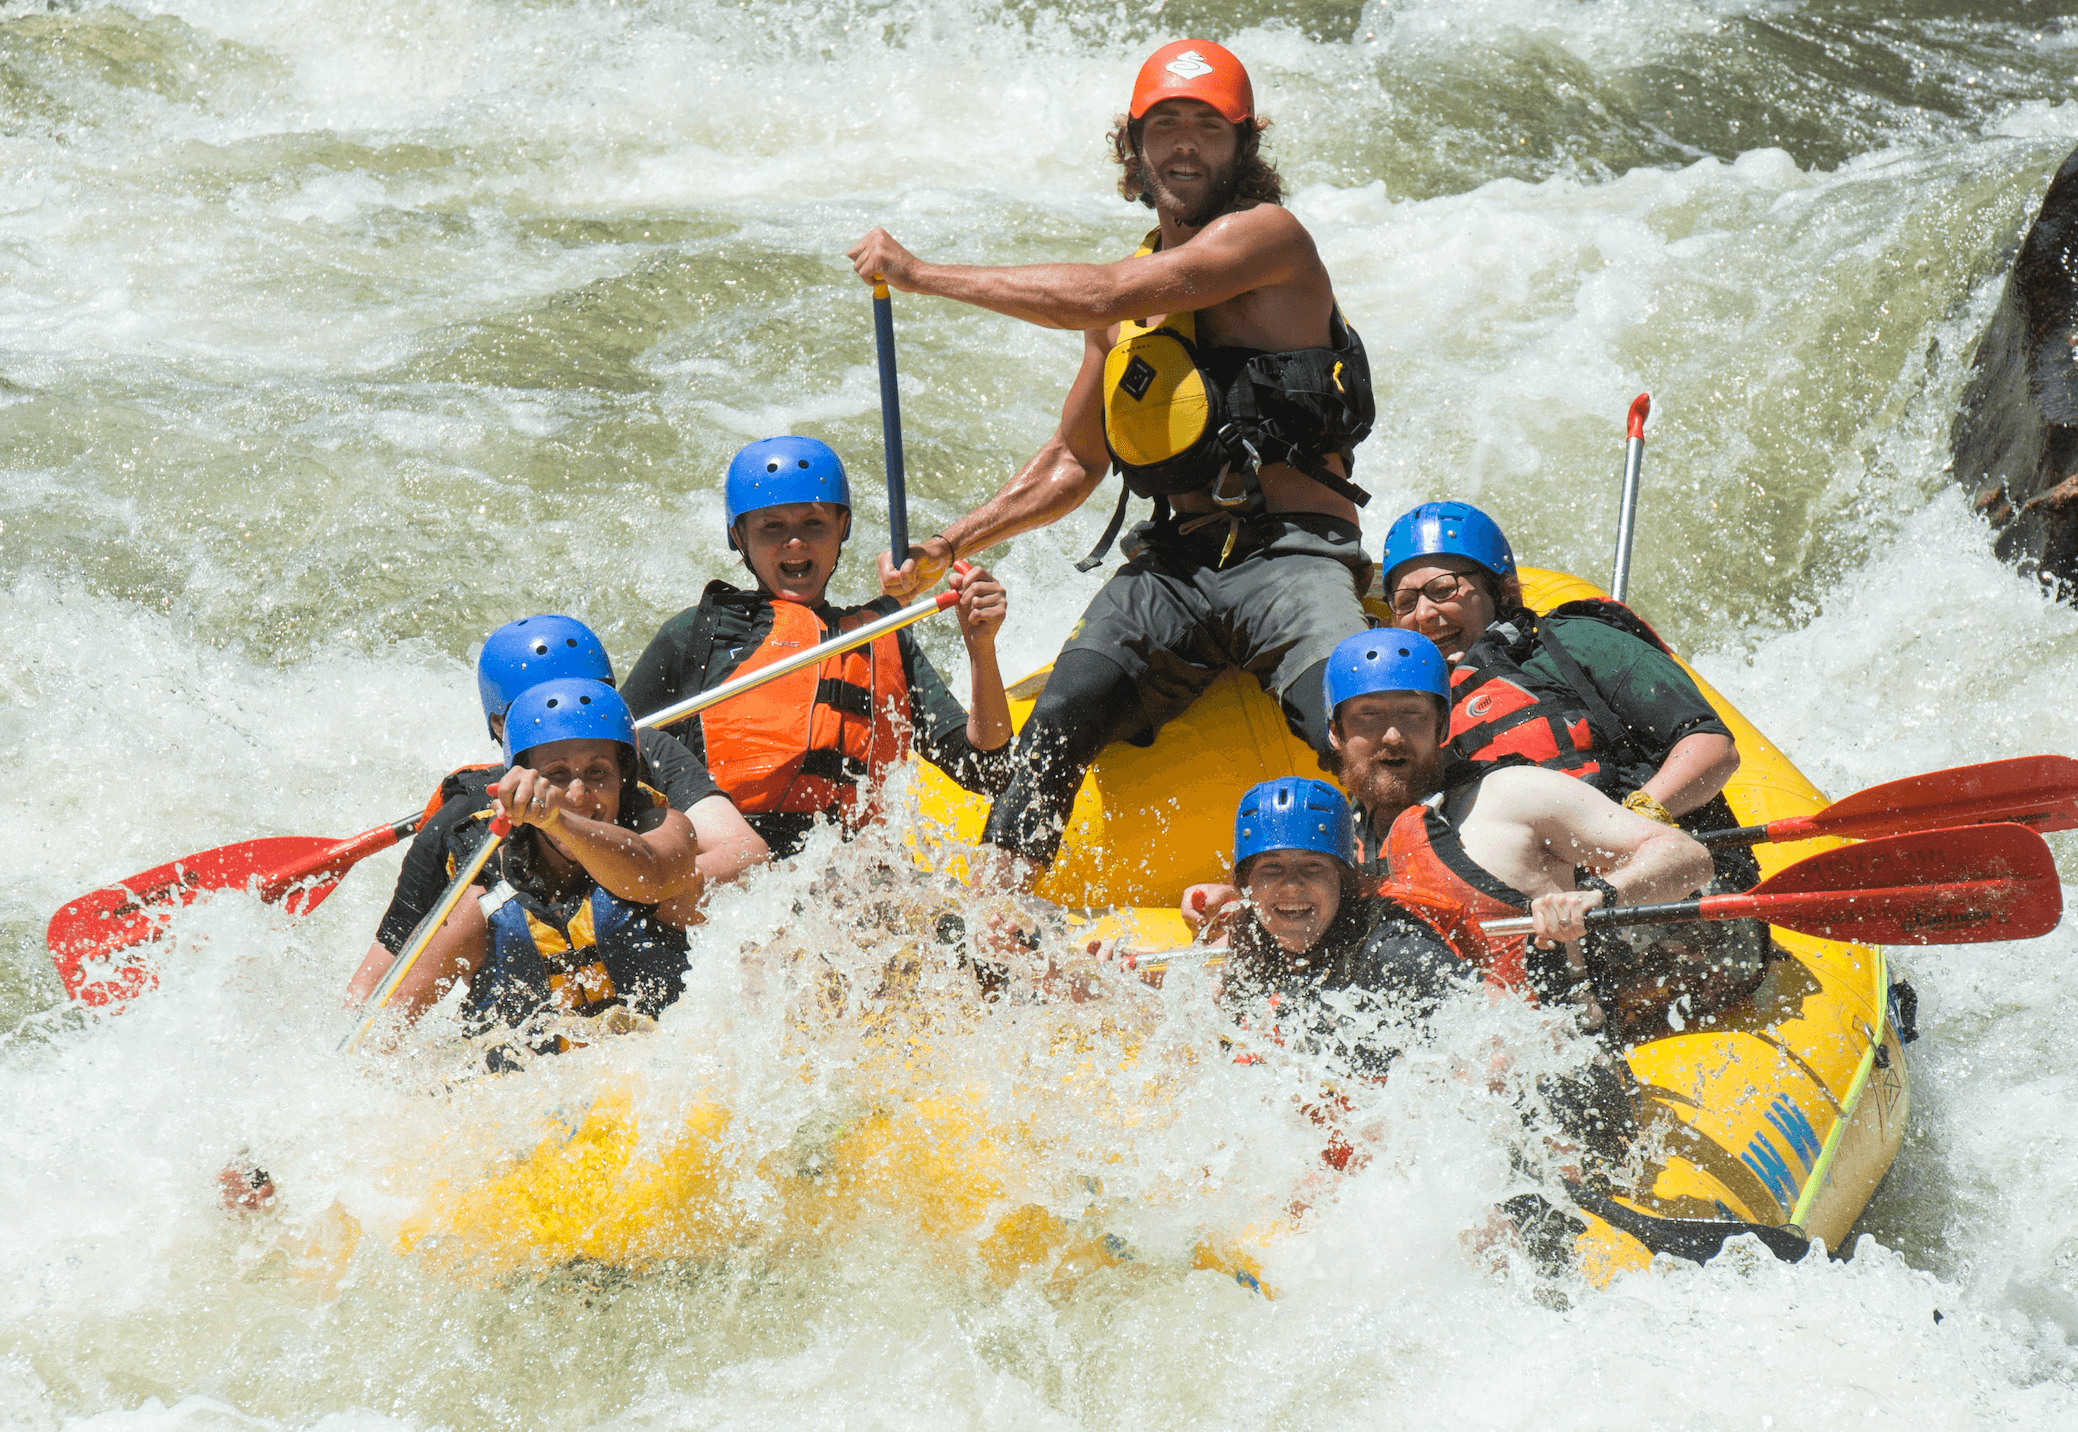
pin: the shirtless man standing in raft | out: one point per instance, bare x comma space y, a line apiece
1220, 379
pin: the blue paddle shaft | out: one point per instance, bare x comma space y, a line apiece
891, 429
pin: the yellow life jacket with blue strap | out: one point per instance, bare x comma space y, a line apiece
579, 956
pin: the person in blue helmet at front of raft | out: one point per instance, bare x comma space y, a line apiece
1298, 918
542, 941
817, 744
709, 833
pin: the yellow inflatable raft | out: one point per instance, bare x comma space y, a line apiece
1786, 1111
1789, 1108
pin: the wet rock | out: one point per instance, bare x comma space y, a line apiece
2015, 436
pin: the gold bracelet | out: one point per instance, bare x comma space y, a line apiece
1648, 807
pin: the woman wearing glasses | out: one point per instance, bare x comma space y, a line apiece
1586, 689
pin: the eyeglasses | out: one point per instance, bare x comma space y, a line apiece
1438, 590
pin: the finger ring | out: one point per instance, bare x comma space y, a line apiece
537, 803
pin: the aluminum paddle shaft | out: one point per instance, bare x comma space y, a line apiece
427, 928
1627, 510
821, 651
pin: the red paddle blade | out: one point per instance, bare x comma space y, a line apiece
1958, 886
2036, 791
87, 936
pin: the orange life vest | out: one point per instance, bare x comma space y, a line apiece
1435, 881
803, 743
446, 791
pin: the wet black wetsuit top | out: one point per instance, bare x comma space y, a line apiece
674, 668
1372, 946
666, 764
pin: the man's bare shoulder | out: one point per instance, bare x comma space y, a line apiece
1257, 226
1524, 784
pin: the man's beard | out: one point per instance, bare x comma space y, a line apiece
1384, 791
1218, 195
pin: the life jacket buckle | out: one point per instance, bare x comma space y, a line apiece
497, 898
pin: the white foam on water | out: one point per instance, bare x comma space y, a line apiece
295, 296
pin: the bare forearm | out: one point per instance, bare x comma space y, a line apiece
988, 719
1694, 771
626, 863
1049, 487
1670, 866
1067, 296
374, 965
728, 845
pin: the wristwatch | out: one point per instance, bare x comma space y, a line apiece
1610, 898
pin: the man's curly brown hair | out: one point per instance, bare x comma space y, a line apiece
1256, 182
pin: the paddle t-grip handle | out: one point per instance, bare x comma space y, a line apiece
1627, 508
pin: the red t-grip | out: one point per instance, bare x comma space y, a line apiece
1641, 408
947, 598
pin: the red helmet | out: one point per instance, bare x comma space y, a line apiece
1194, 69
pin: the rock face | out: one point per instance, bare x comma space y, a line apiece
2015, 437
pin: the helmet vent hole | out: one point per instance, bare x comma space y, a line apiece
541, 648
772, 466
802, 464
571, 642
554, 702
584, 700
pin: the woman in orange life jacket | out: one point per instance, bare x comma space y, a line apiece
523, 654
1588, 689
545, 932
817, 744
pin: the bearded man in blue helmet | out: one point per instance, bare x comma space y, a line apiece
1469, 841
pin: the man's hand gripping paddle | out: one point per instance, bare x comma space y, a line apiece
2040, 792
296, 871
1954, 886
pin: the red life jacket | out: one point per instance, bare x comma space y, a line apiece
803, 743
1435, 881
1497, 709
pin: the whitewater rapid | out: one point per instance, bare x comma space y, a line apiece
330, 340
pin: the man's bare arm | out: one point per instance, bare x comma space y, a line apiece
1233, 255
1645, 861
1058, 479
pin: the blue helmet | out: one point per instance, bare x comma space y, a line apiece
1457, 529
1293, 813
1386, 659
574, 708
533, 650
780, 470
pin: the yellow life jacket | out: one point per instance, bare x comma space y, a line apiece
1178, 418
